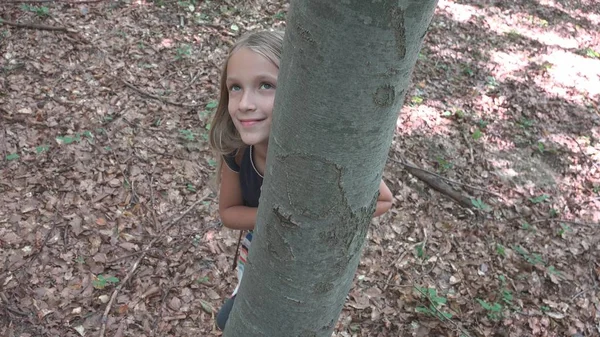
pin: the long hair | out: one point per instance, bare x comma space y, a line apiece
224, 138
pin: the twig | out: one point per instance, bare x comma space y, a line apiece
566, 221
36, 26
145, 93
414, 167
437, 184
152, 203
469, 145
46, 1
137, 262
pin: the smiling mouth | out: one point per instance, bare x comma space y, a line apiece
250, 122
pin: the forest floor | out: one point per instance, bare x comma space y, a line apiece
103, 145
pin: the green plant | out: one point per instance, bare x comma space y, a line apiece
416, 100
513, 34
491, 82
69, 139
553, 212
494, 310
482, 124
500, 250
183, 51
443, 164
435, 304
197, 238
525, 123
539, 199
41, 148
40, 11
468, 71
541, 147
187, 135
480, 205
12, 156
477, 134
420, 251
212, 162
279, 16
203, 280
526, 226
563, 230
534, 259
190, 187
211, 104
101, 281
589, 52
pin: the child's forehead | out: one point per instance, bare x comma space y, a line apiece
247, 59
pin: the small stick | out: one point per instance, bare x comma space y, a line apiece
137, 262
46, 1
152, 203
35, 26
145, 93
566, 221
414, 167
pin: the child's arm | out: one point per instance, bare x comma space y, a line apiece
384, 201
233, 213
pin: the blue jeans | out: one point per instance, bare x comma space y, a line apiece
223, 313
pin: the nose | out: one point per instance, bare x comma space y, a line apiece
247, 102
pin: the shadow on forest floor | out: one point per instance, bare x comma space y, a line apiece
505, 99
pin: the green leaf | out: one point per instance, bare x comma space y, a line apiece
480, 204
65, 139
41, 148
112, 279
206, 307
539, 199
477, 134
211, 105
204, 279
12, 156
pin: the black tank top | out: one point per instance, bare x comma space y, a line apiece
250, 180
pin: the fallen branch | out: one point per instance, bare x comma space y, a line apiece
36, 26
137, 262
46, 1
166, 101
566, 221
436, 182
475, 188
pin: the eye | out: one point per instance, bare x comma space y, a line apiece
234, 87
266, 86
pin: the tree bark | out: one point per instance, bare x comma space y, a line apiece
345, 68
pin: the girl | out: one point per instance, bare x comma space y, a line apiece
240, 133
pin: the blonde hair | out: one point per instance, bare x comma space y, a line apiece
224, 138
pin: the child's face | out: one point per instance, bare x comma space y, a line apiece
251, 81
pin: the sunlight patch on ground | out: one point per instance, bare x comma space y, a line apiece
571, 71
509, 63
459, 12
423, 118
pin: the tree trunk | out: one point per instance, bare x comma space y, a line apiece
345, 68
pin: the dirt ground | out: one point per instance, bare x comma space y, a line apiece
103, 145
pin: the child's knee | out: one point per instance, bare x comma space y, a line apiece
224, 312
